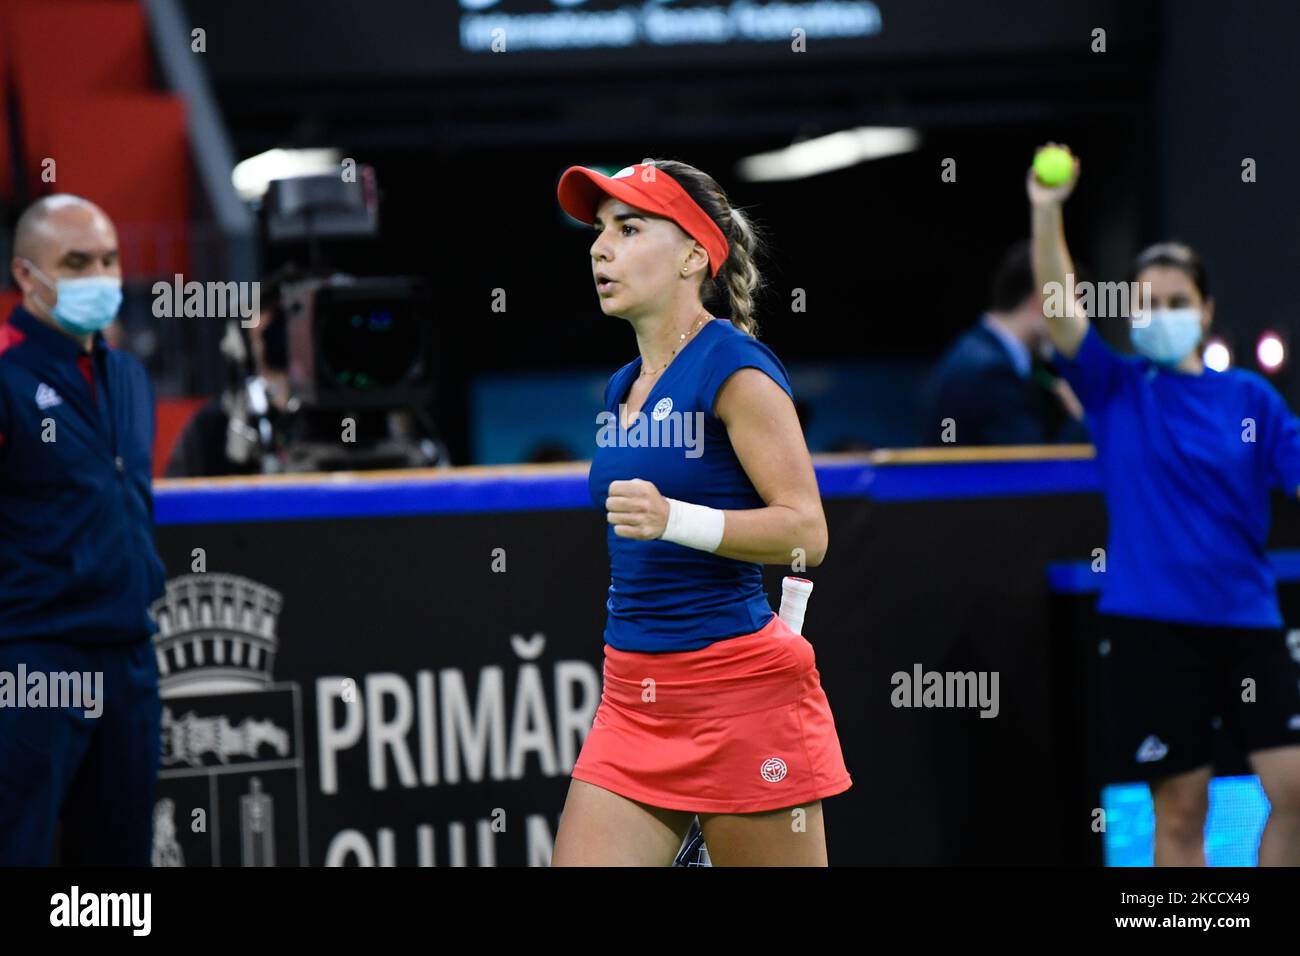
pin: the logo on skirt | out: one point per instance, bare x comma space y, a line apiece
773, 770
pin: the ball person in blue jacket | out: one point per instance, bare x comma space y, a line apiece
1191, 630
79, 707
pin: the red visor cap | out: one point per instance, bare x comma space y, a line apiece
581, 189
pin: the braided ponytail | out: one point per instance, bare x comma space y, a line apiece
740, 272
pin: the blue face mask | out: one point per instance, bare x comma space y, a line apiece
1166, 336
84, 306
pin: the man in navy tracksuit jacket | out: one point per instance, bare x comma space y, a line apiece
78, 566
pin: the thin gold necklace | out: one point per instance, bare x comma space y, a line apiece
681, 339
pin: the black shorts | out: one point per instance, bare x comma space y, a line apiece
1167, 687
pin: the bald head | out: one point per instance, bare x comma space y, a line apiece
64, 237
47, 218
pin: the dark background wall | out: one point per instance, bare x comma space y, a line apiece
894, 261
1225, 91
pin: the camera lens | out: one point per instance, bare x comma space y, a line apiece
369, 346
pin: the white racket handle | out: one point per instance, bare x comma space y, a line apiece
794, 601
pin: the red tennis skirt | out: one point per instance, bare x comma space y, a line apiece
740, 726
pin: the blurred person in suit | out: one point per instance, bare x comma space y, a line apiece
996, 385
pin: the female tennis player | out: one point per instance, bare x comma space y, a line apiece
1190, 626
712, 706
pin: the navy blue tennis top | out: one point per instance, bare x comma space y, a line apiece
77, 556
664, 596
1187, 465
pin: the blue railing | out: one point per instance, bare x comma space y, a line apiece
545, 487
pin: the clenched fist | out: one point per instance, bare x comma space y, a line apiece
636, 509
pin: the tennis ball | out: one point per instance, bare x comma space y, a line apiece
1053, 165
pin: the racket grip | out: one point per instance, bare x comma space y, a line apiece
794, 601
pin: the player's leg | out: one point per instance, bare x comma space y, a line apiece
793, 836
1181, 802
40, 750
600, 828
108, 816
1159, 693
1279, 773
1265, 724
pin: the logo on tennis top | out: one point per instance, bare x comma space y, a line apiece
1152, 749
773, 770
662, 408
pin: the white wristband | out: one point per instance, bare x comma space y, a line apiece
694, 526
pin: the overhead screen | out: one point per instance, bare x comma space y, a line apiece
500, 26
333, 38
